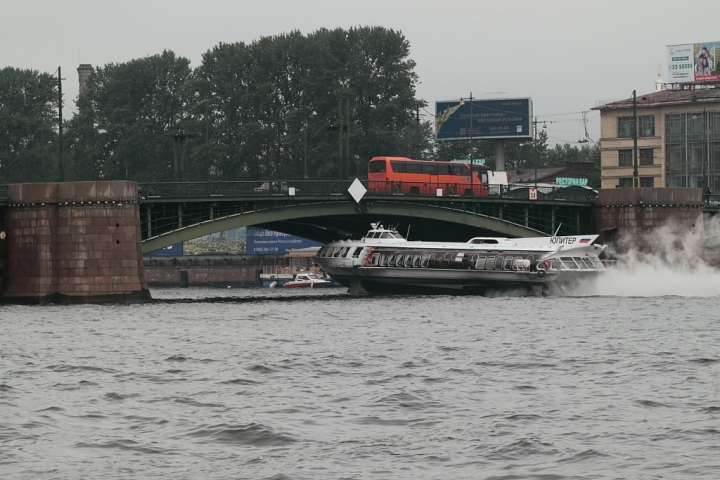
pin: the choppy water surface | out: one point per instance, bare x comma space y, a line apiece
300, 385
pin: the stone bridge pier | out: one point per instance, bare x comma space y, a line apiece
75, 242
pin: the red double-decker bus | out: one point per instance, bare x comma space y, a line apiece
426, 177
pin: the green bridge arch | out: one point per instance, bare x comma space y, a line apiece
322, 221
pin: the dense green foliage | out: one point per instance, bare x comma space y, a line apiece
267, 109
28, 126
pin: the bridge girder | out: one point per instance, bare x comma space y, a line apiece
325, 221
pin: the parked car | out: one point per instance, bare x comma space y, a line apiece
274, 187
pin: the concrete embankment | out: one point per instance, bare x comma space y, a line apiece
192, 275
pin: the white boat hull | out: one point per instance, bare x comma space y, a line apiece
391, 264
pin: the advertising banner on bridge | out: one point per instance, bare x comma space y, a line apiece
171, 251
693, 62
508, 118
263, 241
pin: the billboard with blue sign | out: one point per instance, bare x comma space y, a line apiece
263, 241
509, 118
171, 251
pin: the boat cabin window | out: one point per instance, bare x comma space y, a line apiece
382, 261
416, 261
590, 262
386, 235
356, 252
321, 252
408, 260
480, 263
508, 263
375, 259
484, 241
569, 263
499, 262
391, 260
425, 260
555, 264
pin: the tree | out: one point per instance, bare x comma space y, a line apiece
131, 120
28, 136
277, 97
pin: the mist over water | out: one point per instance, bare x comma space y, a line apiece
669, 263
273, 384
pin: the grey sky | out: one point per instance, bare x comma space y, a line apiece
565, 54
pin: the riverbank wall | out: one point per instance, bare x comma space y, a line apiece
200, 275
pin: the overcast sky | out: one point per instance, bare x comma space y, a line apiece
564, 54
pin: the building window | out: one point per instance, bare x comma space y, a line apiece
625, 127
647, 182
625, 182
646, 126
646, 156
625, 158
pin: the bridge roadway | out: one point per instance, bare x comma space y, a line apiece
324, 210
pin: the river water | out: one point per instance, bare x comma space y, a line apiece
273, 384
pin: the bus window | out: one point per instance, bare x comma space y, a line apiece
460, 169
376, 166
499, 262
484, 178
397, 166
444, 169
413, 167
429, 168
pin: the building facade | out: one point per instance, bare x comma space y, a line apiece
678, 139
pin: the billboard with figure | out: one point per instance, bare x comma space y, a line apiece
693, 62
509, 118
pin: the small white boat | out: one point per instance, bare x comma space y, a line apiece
306, 280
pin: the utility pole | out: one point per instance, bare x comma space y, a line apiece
61, 161
470, 153
344, 138
305, 176
535, 149
207, 136
347, 139
341, 169
705, 180
636, 180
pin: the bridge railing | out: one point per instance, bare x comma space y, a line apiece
244, 188
338, 187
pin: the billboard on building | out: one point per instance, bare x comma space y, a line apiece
507, 118
263, 241
693, 62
